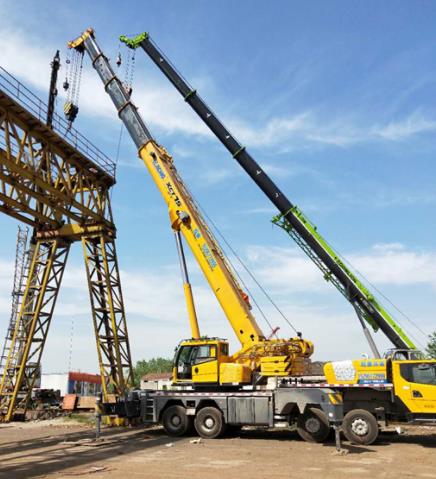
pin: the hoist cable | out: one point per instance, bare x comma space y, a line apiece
392, 304
252, 276
386, 298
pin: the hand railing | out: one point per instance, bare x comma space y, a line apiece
38, 108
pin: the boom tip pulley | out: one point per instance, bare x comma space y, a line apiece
134, 42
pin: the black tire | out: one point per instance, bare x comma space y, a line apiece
175, 421
209, 423
360, 427
313, 425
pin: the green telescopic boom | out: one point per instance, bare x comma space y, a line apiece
290, 218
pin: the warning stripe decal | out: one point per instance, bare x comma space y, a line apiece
269, 393
326, 385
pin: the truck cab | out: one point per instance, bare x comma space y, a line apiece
206, 362
377, 392
415, 386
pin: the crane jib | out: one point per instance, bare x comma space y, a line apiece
196, 232
373, 313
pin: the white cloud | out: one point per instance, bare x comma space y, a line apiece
386, 247
6, 285
281, 172
294, 279
163, 108
288, 270
310, 129
405, 128
212, 177
156, 311
397, 266
261, 210
159, 104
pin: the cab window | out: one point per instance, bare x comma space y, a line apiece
419, 373
184, 355
184, 361
206, 352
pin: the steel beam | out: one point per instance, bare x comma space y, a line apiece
108, 313
38, 169
22, 364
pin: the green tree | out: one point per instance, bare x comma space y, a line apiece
154, 365
431, 347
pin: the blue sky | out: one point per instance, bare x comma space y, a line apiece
334, 99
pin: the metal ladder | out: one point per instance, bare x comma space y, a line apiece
20, 276
149, 410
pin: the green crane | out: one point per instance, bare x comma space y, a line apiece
290, 217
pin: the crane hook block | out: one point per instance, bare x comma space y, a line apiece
70, 110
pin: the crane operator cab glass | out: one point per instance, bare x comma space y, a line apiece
197, 361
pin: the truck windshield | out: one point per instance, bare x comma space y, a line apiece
419, 373
404, 354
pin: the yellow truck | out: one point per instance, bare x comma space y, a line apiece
379, 392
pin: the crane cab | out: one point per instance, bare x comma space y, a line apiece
205, 362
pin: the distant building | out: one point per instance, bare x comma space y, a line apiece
157, 381
81, 384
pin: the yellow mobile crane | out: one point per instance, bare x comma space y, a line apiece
258, 355
215, 388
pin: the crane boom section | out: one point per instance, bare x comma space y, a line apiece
290, 218
184, 214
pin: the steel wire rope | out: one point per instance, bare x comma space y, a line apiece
247, 269
366, 280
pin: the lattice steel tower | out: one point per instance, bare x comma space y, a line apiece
54, 180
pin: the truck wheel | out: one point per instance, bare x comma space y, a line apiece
313, 425
175, 421
209, 423
360, 427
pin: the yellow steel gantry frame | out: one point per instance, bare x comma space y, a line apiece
56, 181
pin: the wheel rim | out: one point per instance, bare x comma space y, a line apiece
312, 425
176, 420
360, 427
209, 422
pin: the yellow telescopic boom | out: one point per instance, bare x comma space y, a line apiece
186, 219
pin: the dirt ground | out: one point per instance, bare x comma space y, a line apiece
60, 448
